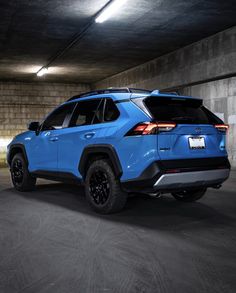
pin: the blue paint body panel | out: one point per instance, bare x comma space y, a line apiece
61, 149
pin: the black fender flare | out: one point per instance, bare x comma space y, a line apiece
99, 149
12, 151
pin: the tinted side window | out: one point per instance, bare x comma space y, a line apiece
57, 118
111, 112
84, 113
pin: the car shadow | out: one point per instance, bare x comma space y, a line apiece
164, 213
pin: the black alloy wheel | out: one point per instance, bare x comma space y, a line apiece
99, 187
102, 188
17, 171
21, 177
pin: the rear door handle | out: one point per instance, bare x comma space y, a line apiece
89, 135
54, 138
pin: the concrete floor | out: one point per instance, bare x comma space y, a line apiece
50, 241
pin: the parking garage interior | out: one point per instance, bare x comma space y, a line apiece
50, 240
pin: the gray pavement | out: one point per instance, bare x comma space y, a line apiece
50, 241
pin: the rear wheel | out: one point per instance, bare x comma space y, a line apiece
189, 195
102, 188
21, 178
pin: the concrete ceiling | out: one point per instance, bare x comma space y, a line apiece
33, 31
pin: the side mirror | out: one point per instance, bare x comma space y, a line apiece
33, 126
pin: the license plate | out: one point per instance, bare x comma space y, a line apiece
196, 142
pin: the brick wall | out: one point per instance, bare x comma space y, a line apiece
21, 103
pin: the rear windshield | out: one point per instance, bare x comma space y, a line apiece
181, 111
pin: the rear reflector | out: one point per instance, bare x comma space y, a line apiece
146, 128
222, 127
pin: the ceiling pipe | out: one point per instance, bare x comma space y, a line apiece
77, 37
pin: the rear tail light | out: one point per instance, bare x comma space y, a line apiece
222, 127
146, 128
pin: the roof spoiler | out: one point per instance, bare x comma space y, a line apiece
158, 92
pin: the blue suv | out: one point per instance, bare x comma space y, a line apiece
121, 141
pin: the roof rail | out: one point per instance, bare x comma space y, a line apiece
158, 92
139, 91
108, 91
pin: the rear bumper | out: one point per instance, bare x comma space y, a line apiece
191, 179
167, 176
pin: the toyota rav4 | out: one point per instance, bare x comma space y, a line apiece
122, 141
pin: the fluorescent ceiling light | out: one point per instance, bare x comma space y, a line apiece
109, 10
42, 71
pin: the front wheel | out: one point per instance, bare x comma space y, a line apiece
102, 188
189, 195
21, 178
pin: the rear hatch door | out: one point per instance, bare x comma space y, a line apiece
194, 136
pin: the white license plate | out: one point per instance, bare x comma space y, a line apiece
196, 142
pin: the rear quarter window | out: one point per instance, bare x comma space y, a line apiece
111, 112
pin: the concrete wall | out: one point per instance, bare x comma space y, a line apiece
21, 103
220, 97
210, 58
206, 69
